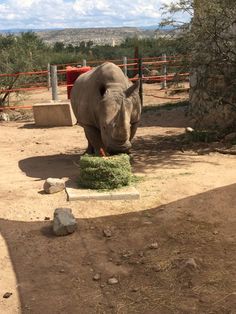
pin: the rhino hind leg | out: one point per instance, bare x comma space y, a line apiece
93, 136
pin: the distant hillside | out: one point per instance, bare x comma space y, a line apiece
99, 36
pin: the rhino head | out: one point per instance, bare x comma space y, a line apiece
119, 111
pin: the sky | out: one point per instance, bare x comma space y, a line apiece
43, 14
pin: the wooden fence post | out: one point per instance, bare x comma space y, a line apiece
54, 82
49, 77
140, 74
125, 65
164, 69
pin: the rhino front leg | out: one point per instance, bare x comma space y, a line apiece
93, 136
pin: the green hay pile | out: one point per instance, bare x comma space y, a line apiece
105, 172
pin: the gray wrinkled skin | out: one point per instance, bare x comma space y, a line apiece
107, 105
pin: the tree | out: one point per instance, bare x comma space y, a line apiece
21, 53
58, 46
211, 33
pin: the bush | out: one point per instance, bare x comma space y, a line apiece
105, 172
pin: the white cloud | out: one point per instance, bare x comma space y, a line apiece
78, 13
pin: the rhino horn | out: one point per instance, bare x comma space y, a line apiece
121, 130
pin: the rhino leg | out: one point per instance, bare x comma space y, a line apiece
93, 136
90, 149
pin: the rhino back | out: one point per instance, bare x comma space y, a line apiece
87, 90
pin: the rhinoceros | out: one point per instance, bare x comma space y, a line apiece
107, 105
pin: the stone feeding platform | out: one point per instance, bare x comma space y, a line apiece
53, 114
76, 194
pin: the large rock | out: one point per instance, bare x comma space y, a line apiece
53, 185
64, 222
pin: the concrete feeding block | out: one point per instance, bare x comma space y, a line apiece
76, 194
53, 114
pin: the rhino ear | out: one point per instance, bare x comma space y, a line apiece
133, 89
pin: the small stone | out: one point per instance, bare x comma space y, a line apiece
189, 130
62, 271
215, 232
153, 246
53, 185
107, 232
7, 295
157, 268
191, 263
135, 289
64, 222
96, 277
46, 218
4, 117
112, 281
127, 254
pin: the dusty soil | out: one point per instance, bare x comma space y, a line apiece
172, 251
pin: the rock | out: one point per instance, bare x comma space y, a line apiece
135, 289
46, 218
107, 232
153, 246
53, 185
96, 277
4, 116
189, 130
112, 281
157, 268
62, 271
191, 264
230, 137
64, 222
7, 295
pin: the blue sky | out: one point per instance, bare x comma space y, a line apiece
33, 14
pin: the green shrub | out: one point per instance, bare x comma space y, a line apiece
105, 172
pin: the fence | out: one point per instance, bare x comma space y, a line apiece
162, 70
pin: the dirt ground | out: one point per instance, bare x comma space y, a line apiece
172, 251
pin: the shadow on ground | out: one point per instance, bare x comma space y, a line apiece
166, 151
148, 252
54, 166
149, 152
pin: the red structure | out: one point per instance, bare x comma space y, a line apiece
71, 75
